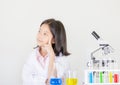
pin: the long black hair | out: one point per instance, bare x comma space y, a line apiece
58, 31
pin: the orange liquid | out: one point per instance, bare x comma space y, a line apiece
71, 81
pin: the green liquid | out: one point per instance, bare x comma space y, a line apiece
101, 77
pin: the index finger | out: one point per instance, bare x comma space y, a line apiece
49, 42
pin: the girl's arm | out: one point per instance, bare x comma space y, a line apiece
51, 53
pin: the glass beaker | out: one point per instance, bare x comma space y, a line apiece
75, 77
71, 77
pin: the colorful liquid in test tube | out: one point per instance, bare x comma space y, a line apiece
91, 77
110, 77
101, 77
116, 78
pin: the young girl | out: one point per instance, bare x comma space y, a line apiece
48, 58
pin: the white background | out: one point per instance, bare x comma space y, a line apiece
20, 20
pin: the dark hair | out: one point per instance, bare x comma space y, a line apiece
58, 31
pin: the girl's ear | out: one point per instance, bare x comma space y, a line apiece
53, 41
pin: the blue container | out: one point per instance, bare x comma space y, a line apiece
91, 77
55, 81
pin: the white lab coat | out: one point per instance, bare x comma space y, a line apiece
34, 74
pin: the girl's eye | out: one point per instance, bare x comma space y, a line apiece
45, 33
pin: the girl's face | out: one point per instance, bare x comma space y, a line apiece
44, 35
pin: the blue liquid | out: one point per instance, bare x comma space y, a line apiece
55, 81
91, 77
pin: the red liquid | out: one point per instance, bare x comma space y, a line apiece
116, 78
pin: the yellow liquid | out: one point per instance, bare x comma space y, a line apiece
75, 80
110, 77
71, 81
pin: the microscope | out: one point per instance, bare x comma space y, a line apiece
105, 48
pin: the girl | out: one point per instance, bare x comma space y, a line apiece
48, 58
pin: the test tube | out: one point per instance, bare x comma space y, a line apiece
101, 77
91, 77
110, 77
96, 77
106, 78
116, 78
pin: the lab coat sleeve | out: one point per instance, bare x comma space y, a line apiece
27, 74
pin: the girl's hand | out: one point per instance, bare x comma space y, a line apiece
51, 53
47, 82
48, 46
